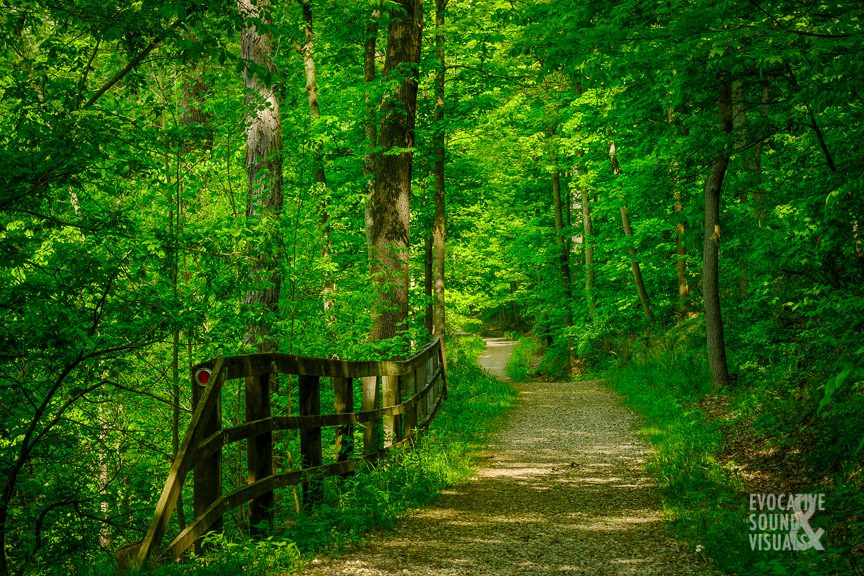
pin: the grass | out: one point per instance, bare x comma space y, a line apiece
445, 455
704, 498
525, 359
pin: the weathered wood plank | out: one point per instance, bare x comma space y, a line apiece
371, 393
259, 450
409, 388
258, 364
343, 403
207, 475
310, 439
422, 384
390, 398
181, 466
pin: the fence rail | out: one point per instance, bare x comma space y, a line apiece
398, 397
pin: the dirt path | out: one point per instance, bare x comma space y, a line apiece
562, 492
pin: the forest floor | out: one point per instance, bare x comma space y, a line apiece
561, 490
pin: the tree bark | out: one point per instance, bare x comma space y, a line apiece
681, 261
558, 207
439, 224
370, 126
751, 166
628, 232
263, 167
680, 249
428, 282
388, 205
563, 247
588, 231
318, 171
715, 342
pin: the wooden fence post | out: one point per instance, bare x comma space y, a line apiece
310, 440
436, 372
390, 396
420, 382
442, 358
371, 432
259, 450
409, 387
343, 403
207, 483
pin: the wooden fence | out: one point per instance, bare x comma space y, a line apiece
398, 397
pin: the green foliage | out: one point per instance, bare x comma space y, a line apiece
124, 242
524, 360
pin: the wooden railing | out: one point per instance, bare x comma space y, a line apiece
398, 397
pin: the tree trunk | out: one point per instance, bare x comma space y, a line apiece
263, 169
318, 172
680, 249
751, 166
681, 261
634, 266
428, 282
563, 256
628, 232
716, 345
388, 205
588, 230
370, 126
439, 224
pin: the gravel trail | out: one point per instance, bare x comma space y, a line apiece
561, 491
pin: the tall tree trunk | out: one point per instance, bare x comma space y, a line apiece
388, 205
370, 125
681, 261
628, 232
715, 342
751, 154
318, 172
263, 167
588, 232
680, 249
439, 224
428, 282
558, 207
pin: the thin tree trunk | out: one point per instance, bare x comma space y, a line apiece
563, 249
558, 207
751, 166
318, 171
588, 230
563, 252
263, 168
105, 537
439, 224
428, 282
681, 261
628, 232
388, 205
680, 249
715, 342
370, 125
634, 266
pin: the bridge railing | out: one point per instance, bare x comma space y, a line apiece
398, 397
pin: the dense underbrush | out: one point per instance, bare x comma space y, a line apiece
771, 432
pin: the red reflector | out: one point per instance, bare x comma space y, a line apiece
203, 376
